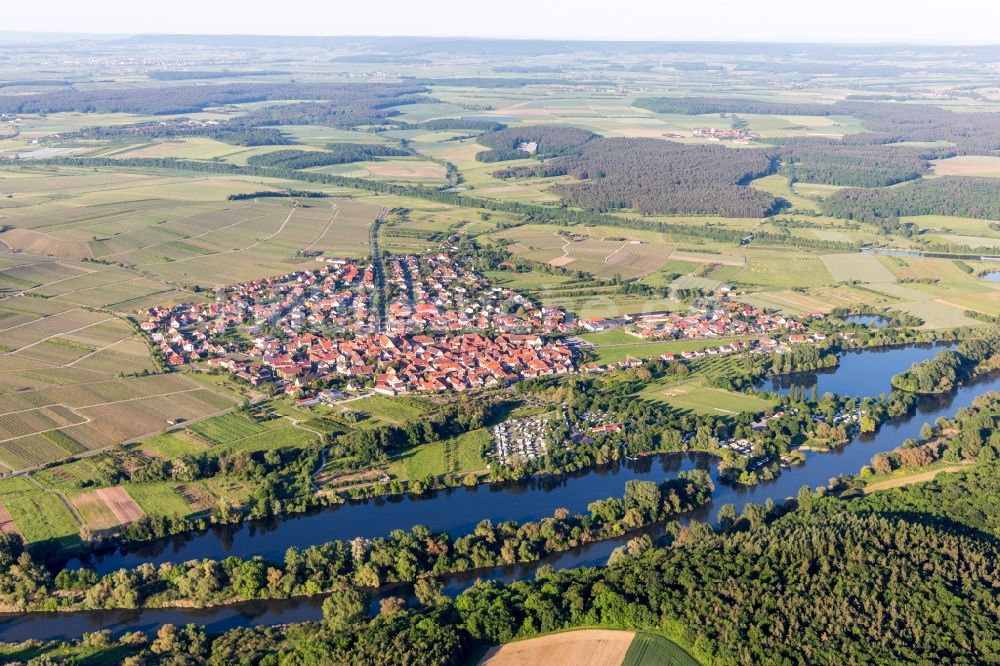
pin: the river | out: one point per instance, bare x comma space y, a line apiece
457, 511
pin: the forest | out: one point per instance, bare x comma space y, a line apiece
548, 141
854, 165
336, 153
976, 133
194, 98
655, 176
236, 131
949, 195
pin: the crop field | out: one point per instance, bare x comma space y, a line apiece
652, 650
274, 438
968, 165
7, 524
226, 428
583, 250
857, 266
820, 299
106, 508
782, 269
158, 499
42, 425
165, 230
42, 516
583, 647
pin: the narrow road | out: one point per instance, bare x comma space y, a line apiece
378, 297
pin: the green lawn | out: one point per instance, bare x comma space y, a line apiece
158, 499
694, 396
393, 410
172, 445
653, 650
463, 454
530, 280
42, 516
228, 488
458, 455
616, 344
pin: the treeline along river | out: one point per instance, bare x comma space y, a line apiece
458, 510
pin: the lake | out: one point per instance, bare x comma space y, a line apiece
866, 373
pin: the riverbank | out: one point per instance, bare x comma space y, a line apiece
848, 460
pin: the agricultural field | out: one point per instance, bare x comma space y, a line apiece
43, 517
226, 429
603, 252
585, 647
48, 423
158, 499
654, 650
106, 508
779, 186
169, 230
980, 166
857, 266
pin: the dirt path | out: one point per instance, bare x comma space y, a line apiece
322, 235
911, 479
607, 258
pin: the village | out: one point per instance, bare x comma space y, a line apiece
430, 336
726, 319
306, 325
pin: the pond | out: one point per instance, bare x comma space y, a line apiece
873, 321
992, 276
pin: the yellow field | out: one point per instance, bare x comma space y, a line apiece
587, 647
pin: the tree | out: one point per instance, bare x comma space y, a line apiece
428, 591
391, 606
344, 608
727, 516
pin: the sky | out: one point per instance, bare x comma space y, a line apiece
915, 21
